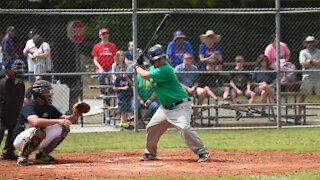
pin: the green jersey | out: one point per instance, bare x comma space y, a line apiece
145, 88
166, 85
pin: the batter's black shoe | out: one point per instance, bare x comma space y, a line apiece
203, 157
8, 156
148, 157
43, 158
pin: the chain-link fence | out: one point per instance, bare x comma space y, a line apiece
72, 34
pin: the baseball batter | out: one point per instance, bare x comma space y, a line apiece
175, 107
41, 126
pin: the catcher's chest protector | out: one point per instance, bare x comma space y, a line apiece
11, 99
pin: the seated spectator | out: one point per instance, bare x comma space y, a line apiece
146, 97
264, 83
309, 59
216, 82
190, 81
177, 47
119, 61
129, 53
122, 86
271, 53
209, 51
241, 85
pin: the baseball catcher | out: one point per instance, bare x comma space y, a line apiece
42, 126
175, 107
11, 98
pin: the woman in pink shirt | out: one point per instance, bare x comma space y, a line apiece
270, 51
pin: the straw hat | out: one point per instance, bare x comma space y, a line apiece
205, 38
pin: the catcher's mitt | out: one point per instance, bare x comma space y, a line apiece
81, 107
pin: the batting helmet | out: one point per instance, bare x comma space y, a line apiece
156, 52
39, 88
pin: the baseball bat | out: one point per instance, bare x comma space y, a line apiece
156, 33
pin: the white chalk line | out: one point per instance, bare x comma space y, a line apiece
112, 164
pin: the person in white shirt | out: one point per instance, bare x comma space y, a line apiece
309, 59
28, 51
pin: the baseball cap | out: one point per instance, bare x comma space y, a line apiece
11, 29
310, 38
103, 31
178, 34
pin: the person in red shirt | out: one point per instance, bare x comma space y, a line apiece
103, 56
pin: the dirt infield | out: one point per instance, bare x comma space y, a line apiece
171, 163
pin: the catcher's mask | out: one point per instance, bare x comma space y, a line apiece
155, 52
18, 67
42, 89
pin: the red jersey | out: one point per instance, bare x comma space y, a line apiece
105, 53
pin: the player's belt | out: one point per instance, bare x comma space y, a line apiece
173, 105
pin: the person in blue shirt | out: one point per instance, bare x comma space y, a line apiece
209, 51
122, 85
264, 83
8, 51
177, 47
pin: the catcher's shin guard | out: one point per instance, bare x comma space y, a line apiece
33, 142
55, 142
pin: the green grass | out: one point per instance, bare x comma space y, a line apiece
295, 139
307, 175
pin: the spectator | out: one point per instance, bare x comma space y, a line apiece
209, 51
264, 83
146, 98
241, 85
28, 51
216, 82
129, 53
103, 56
42, 56
119, 61
309, 59
271, 53
177, 47
8, 50
190, 81
122, 86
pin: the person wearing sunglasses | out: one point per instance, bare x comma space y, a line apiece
309, 59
